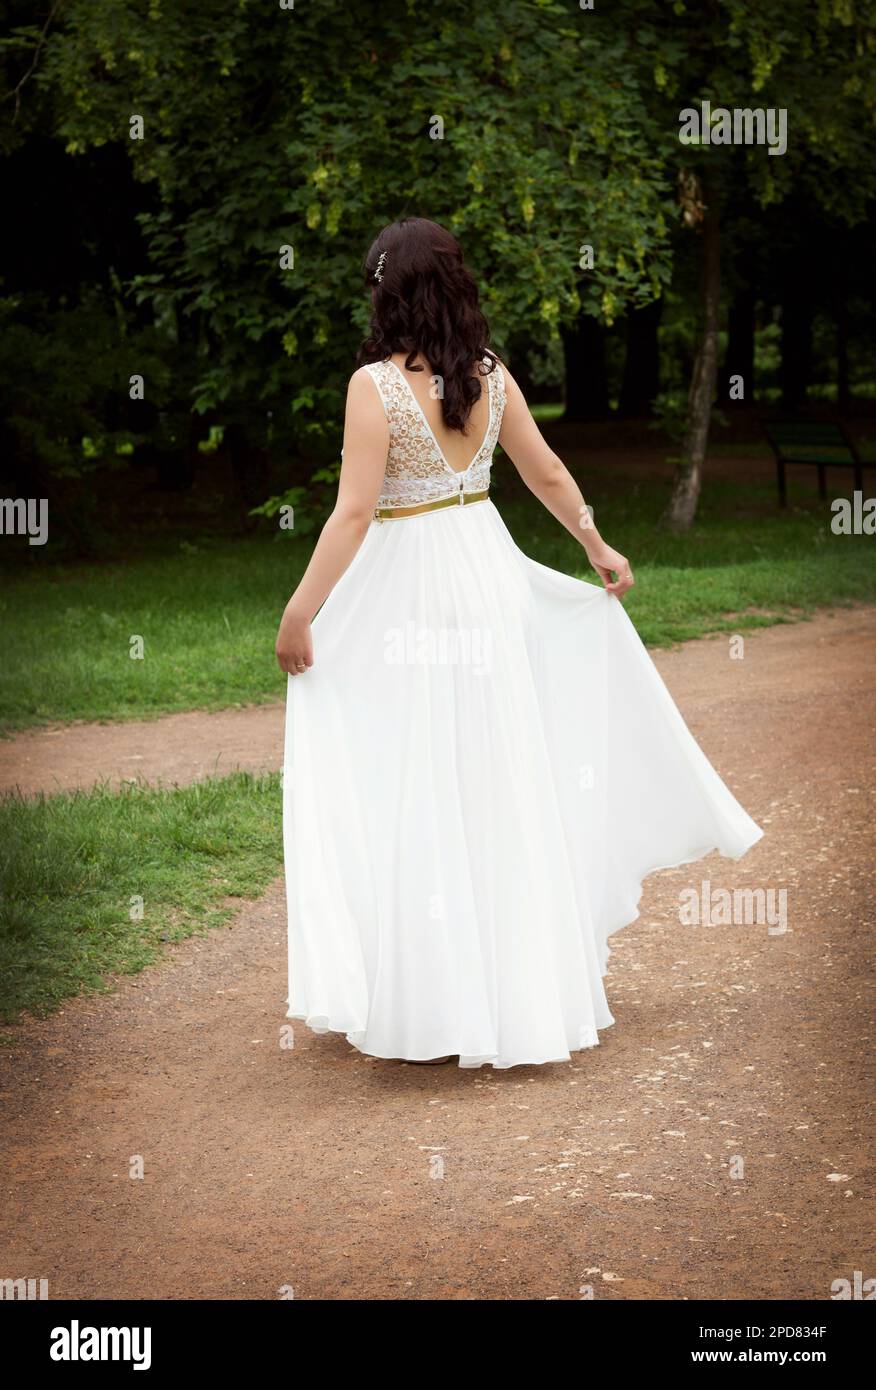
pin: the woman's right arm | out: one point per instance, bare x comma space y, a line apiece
366, 441
548, 478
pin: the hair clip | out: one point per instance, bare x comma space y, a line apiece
378, 274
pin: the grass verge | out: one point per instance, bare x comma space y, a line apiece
207, 611
94, 883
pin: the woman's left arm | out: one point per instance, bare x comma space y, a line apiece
548, 478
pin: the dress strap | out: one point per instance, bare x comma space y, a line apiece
498, 397
377, 373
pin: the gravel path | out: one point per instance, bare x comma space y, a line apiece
717, 1144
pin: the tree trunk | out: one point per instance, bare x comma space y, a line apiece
843, 395
682, 508
641, 380
586, 383
740, 348
796, 370
249, 466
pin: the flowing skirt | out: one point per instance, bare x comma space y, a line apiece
481, 767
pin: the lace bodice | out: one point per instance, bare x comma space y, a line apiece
416, 469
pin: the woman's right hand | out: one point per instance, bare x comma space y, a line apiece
294, 646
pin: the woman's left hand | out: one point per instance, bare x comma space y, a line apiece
607, 563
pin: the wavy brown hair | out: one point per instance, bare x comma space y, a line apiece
426, 302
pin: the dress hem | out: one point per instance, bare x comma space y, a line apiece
321, 1023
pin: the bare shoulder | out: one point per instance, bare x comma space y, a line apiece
360, 378
362, 389
365, 408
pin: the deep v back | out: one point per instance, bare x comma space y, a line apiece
416, 468
419, 405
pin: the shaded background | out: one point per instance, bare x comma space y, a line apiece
266, 128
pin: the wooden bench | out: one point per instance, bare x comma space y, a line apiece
823, 443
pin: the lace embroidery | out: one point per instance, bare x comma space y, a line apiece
416, 470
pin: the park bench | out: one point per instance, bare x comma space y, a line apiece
823, 443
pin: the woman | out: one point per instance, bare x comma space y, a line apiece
482, 763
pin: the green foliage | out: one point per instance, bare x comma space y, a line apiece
311, 128
815, 61
66, 371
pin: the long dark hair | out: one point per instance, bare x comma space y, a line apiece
425, 300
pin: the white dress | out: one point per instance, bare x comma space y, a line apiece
481, 767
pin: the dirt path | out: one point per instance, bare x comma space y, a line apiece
312, 1167
176, 748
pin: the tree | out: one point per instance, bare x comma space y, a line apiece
641, 377
309, 129
815, 62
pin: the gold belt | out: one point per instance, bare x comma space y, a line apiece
458, 499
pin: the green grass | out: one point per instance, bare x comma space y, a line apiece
207, 616
550, 410
71, 866
208, 612
742, 566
